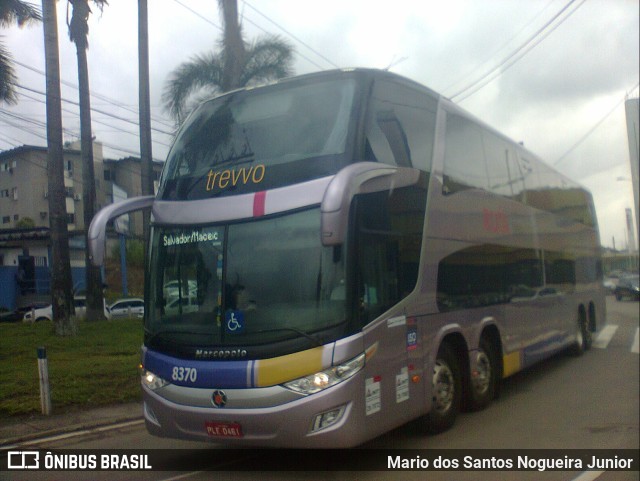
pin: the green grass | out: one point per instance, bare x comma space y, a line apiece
97, 367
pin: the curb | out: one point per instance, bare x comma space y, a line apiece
100, 418
25, 438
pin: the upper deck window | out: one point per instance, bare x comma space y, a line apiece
400, 126
259, 139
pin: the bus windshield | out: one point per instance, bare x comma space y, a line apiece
245, 284
251, 140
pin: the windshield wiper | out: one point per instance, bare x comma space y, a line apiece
315, 340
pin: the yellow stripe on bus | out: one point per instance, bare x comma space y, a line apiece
270, 372
511, 363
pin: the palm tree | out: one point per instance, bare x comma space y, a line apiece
78, 32
61, 297
12, 11
235, 64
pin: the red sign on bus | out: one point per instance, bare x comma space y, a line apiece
495, 221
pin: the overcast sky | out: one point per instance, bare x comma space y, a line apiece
559, 89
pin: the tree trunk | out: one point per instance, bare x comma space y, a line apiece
61, 295
146, 162
233, 46
93, 277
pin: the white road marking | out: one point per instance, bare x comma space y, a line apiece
604, 337
634, 347
588, 476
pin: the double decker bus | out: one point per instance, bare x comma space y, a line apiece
337, 254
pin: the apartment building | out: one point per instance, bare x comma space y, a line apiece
24, 190
24, 211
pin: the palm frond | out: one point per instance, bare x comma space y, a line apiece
267, 58
7, 78
16, 11
200, 72
79, 23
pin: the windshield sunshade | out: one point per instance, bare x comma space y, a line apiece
251, 140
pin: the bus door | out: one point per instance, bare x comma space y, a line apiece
388, 229
378, 213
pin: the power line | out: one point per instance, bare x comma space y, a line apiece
93, 109
68, 132
135, 133
517, 54
291, 35
495, 52
258, 27
591, 130
97, 95
199, 15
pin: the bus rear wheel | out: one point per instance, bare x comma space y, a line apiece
484, 379
583, 335
446, 391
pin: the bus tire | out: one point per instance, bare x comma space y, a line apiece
484, 381
583, 335
590, 327
446, 391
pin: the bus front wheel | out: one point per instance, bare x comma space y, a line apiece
446, 391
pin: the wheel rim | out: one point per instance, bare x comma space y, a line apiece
587, 338
579, 335
443, 387
482, 377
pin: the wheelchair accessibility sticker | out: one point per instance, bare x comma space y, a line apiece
234, 321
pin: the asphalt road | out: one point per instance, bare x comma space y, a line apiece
565, 402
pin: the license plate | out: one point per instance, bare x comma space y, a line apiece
223, 430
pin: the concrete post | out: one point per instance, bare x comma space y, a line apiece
43, 371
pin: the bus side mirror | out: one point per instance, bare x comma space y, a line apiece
358, 178
98, 229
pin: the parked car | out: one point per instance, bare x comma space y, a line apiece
182, 305
172, 289
18, 314
126, 308
611, 280
45, 312
627, 287
610, 284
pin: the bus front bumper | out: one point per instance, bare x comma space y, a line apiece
323, 420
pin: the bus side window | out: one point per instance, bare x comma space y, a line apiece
400, 126
464, 162
504, 176
395, 135
389, 240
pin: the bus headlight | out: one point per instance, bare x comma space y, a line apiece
152, 381
330, 377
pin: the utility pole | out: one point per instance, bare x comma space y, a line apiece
146, 162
